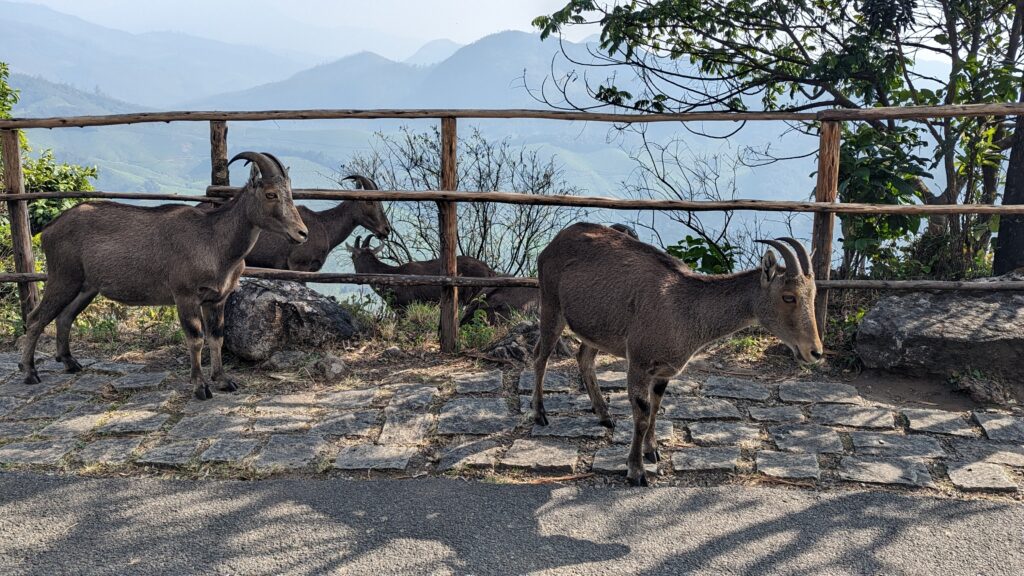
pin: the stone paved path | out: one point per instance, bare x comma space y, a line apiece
120, 416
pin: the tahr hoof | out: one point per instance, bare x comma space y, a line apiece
540, 418
640, 480
203, 393
652, 457
607, 422
228, 386
32, 377
71, 366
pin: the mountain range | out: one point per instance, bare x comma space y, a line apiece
66, 66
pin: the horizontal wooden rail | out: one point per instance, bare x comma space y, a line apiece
907, 112
414, 280
386, 279
339, 278
922, 112
219, 192
22, 277
631, 204
121, 196
923, 285
428, 113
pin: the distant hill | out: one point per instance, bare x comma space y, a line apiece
41, 97
485, 74
433, 52
153, 69
364, 80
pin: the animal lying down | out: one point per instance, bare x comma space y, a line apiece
365, 261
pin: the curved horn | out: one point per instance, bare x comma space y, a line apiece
801, 253
362, 181
268, 168
628, 231
792, 264
280, 167
366, 244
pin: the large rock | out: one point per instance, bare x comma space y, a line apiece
264, 316
519, 343
975, 333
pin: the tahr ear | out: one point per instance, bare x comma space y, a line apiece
254, 173
769, 267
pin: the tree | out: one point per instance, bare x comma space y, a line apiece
816, 54
42, 174
505, 236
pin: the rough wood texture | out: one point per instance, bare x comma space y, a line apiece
922, 285
219, 153
21, 232
909, 112
123, 196
826, 190
410, 280
920, 112
629, 204
434, 113
387, 279
448, 225
22, 277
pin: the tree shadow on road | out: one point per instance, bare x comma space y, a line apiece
315, 526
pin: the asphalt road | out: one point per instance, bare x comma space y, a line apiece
68, 525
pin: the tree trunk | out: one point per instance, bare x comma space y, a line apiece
1010, 242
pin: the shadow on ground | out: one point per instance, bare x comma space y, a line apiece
302, 526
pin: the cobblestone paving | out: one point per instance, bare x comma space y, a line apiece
123, 416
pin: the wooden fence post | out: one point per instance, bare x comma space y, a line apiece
21, 230
827, 190
448, 227
219, 153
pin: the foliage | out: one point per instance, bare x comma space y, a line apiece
505, 236
704, 257
8, 95
46, 174
818, 54
478, 332
42, 174
877, 167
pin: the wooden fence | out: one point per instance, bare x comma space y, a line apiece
824, 207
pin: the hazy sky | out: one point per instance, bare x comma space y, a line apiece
420, 20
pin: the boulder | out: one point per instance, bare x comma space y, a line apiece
265, 316
954, 333
518, 344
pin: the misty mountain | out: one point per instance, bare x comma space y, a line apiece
151, 69
488, 73
433, 52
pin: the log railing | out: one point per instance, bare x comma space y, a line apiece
825, 206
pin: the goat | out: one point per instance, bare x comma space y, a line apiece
630, 299
327, 229
365, 261
159, 256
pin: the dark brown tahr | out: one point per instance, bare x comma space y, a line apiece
629, 299
365, 261
160, 256
327, 229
